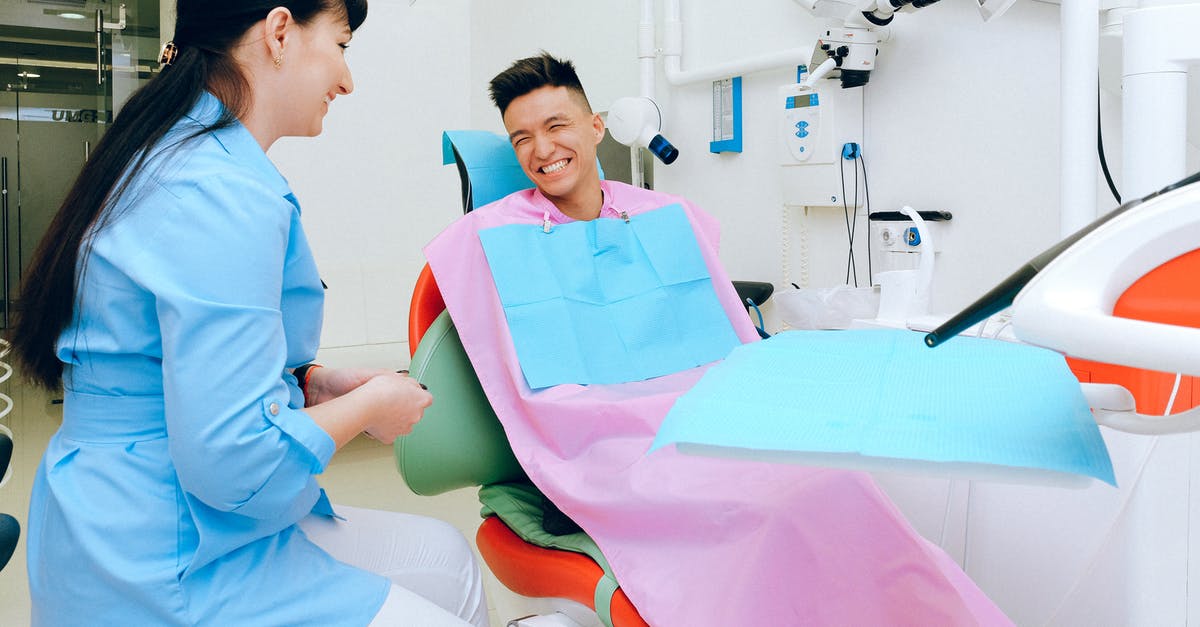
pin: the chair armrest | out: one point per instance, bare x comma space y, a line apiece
459, 442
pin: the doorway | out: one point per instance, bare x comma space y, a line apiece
66, 67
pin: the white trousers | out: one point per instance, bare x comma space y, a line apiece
435, 579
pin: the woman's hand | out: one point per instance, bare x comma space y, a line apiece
380, 403
325, 384
399, 402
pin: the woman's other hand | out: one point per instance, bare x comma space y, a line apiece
326, 384
384, 406
400, 402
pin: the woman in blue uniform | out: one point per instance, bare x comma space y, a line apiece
176, 300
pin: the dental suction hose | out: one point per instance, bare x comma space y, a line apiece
995, 301
1003, 295
823, 70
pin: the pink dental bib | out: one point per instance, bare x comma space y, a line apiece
694, 541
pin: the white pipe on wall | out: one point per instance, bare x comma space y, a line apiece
646, 50
673, 50
647, 54
1078, 76
1154, 125
1160, 43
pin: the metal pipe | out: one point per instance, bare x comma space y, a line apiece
1160, 45
1078, 75
647, 54
673, 51
646, 50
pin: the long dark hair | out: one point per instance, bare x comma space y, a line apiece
205, 33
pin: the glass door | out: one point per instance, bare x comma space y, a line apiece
66, 67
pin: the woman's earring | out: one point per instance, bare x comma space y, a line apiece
278, 61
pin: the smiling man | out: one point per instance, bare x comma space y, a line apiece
553, 131
739, 542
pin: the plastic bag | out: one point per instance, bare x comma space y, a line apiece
826, 307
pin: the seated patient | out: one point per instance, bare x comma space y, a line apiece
692, 540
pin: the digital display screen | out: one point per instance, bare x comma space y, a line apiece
797, 102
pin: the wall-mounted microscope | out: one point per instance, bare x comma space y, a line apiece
847, 50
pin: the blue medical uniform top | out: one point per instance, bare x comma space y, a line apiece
171, 493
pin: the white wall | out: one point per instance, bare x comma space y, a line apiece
372, 186
600, 38
959, 116
952, 99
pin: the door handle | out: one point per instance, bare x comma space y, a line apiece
99, 46
4, 235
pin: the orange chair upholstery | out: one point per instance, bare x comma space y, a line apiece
524, 568
424, 308
1168, 294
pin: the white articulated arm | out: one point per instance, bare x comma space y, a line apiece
1113, 406
1068, 306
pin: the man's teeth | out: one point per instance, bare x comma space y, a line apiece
554, 167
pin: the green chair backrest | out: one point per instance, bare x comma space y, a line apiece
459, 443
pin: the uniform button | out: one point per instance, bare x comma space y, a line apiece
274, 409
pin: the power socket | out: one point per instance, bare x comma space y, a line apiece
903, 237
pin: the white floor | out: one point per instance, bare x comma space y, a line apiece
362, 474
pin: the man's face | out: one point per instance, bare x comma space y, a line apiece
555, 139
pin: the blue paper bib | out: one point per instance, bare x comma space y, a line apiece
607, 301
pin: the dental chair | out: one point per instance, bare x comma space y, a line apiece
460, 442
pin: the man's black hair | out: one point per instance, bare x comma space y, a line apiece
531, 73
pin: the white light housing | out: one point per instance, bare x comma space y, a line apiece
636, 122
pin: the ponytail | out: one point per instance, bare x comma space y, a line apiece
205, 34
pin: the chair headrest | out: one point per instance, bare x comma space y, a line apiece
487, 165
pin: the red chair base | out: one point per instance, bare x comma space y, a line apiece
524, 568
537, 572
